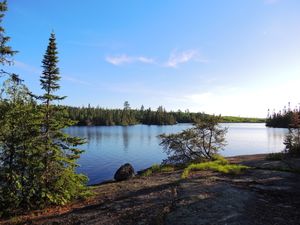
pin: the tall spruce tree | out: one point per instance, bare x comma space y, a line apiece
60, 152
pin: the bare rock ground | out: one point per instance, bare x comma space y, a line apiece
260, 196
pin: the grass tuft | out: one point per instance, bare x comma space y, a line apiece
220, 165
155, 168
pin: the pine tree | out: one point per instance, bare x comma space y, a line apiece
6, 51
60, 183
17, 133
19, 129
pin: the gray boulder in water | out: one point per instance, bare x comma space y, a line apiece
125, 172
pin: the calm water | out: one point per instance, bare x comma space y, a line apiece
110, 147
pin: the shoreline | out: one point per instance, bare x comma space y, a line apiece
119, 125
264, 188
232, 159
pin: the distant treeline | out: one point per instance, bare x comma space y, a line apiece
235, 119
283, 118
96, 116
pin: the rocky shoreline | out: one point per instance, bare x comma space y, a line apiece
269, 193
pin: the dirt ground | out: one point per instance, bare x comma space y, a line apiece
264, 195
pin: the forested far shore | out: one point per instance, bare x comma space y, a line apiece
97, 116
285, 118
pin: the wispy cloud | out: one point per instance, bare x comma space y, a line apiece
76, 80
26, 67
177, 58
125, 59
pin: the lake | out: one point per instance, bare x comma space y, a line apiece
109, 147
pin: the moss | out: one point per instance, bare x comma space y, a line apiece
220, 159
167, 168
156, 168
147, 173
221, 166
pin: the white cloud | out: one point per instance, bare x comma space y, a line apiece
125, 59
174, 60
177, 58
145, 60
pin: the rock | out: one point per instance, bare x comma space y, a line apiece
125, 172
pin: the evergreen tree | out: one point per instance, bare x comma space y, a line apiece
6, 51
60, 183
17, 133
19, 155
292, 139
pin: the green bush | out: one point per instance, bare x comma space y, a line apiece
275, 156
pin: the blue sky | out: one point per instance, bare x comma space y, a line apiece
233, 57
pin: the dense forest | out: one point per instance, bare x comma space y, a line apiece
283, 118
127, 116
95, 116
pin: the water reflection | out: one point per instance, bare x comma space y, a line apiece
276, 138
109, 147
125, 136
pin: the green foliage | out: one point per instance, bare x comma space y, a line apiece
283, 119
219, 159
6, 51
147, 173
18, 135
59, 182
277, 156
18, 153
156, 168
291, 120
292, 139
235, 119
199, 143
127, 116
221, 166
37, 159
292, 142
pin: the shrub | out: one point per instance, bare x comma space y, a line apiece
292, 139
198, 143
276, 156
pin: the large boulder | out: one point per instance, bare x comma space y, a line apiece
125, 172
